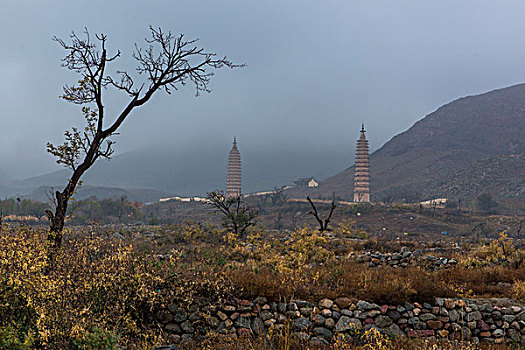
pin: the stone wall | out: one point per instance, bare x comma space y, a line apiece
404, 258
453, 319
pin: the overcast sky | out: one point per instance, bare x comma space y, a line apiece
315, 70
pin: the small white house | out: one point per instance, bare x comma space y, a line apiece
439, 202
313, 183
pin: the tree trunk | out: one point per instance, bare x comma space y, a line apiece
57, 220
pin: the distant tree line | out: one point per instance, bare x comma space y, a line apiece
18, 206
119, 210
109, 210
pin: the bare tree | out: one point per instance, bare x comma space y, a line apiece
237, 215
278, 224
278, 195
323, 224
166, 63
479, 227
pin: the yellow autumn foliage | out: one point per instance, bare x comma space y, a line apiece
94, 288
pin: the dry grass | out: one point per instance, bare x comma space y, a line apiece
347, 279
386, 285
375, 342
258, 274
104, 289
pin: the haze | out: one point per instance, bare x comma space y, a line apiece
315, 70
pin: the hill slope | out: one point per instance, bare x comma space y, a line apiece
451, 152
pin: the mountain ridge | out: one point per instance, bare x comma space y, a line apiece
417, 163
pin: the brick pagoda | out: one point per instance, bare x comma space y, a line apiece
233, 177
362, 170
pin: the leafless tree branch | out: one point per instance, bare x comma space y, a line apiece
167, 62
323, 224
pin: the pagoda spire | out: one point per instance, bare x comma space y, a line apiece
362, 169
233, 175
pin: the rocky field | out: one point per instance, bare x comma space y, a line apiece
194, 285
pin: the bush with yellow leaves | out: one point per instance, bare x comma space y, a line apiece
306, 248
348, 229
500, 250
97, 290
518, 290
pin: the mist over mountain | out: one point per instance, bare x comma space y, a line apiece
472, 145
189, 171
43, 194
197, 171
4, 177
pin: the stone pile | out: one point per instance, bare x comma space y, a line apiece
404, 258
452, 319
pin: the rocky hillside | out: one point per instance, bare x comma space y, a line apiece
466, 147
